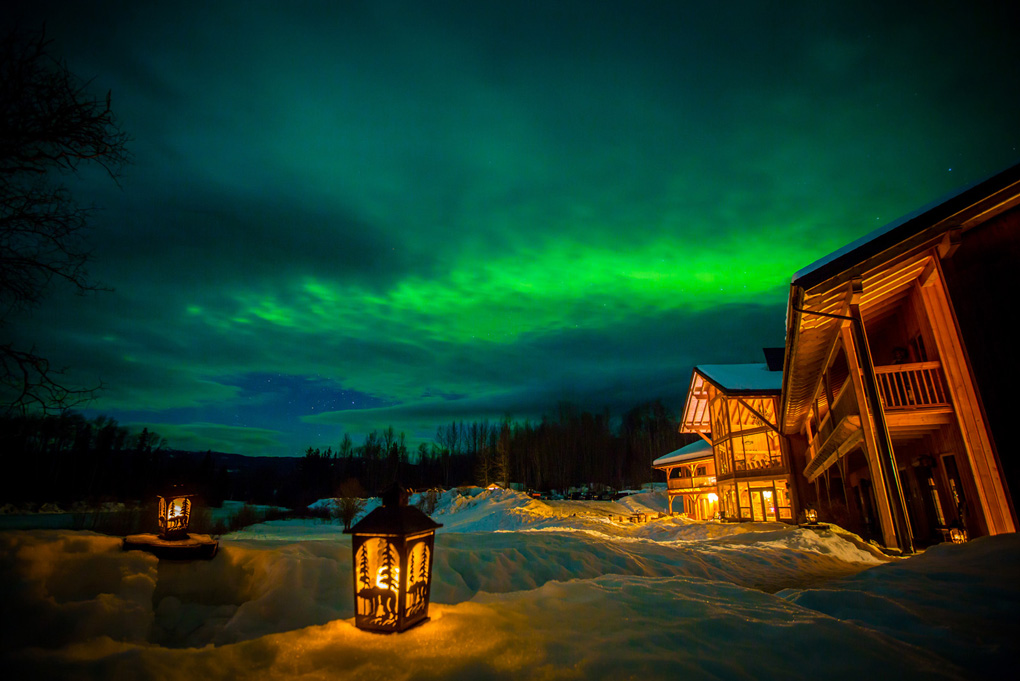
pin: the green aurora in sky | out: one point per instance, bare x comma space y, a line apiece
342, 216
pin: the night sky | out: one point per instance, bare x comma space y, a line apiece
346, 215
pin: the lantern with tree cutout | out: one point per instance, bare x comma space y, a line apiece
392, 548
174, 514
173, 540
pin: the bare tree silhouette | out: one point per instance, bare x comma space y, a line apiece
51, 126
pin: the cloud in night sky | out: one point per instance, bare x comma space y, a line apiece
342, 216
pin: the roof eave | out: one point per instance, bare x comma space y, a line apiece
739, 391
906, 232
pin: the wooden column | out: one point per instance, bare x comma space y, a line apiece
886, 455
878, 481
979, 452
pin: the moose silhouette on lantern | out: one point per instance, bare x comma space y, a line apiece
392, 549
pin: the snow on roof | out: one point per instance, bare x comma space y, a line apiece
742, 377
695, 450
858, 243
895, 230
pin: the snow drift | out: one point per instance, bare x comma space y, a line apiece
522, 589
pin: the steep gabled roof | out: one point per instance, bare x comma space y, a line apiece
742, 378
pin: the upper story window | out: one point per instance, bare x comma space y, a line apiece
742, 438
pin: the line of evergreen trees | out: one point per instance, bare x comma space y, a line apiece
571, 449
67, 458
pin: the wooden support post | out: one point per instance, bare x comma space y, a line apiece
979, 452
886, 455
878, 478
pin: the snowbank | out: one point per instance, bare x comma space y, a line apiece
522, 589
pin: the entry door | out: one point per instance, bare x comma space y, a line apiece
757, 510
769, 500
763, 503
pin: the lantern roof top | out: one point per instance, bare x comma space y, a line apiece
176, 491
394, 517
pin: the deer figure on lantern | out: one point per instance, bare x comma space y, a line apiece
377, 598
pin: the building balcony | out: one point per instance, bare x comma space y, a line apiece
914, 398
697, 483
758, 466
912, 386
838, 432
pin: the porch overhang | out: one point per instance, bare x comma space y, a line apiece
844, 438
887, 261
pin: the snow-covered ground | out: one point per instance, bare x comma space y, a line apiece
522, 589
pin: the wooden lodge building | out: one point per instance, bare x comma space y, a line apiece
733, 408
896, 381
690, 475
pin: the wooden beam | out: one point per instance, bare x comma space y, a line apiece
950, 242
976, 440
871, 453
910, 418
762, 418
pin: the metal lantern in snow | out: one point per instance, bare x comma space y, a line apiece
392, 549
174, 514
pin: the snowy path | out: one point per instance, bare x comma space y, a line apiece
522, 589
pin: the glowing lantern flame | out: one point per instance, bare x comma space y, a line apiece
380, 578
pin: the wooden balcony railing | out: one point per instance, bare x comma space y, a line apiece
691, 483
912, 386
760, 464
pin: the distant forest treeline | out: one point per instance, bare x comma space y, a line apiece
574, 448
68, 458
